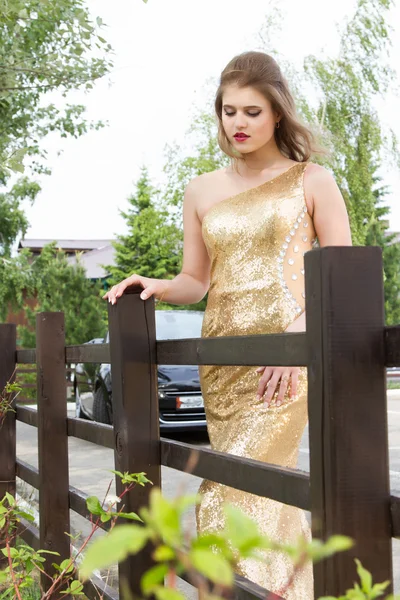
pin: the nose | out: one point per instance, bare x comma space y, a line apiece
240, 121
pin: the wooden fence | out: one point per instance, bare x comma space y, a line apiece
346, 349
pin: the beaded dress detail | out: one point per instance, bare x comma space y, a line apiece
256, 241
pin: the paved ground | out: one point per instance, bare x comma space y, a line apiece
89, 466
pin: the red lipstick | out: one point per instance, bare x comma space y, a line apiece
241, 137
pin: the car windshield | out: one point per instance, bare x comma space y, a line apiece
177, 324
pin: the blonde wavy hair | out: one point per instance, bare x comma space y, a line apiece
261, 72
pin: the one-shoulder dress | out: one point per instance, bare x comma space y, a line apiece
256, 241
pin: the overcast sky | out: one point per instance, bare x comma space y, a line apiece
165, 52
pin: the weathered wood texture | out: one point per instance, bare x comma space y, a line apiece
349, 470
135, 410
289, 486
7, 418
52, 437
275, 350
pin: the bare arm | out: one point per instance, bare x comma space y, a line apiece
330, 217
192, 283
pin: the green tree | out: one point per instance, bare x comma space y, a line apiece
153, 245
45, 47
348, 86
58, 285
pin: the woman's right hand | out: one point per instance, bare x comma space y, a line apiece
156, 287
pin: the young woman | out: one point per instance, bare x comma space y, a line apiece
246, 229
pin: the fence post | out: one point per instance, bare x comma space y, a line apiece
135, 411
349, 468
8, 336
52, 438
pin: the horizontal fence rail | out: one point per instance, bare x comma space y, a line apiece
288, 486
273, 349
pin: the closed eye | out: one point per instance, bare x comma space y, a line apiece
250, 114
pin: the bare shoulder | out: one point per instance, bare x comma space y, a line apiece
202, 191
319, 184
202, 182
316, 175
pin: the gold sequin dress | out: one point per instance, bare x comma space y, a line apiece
256, 241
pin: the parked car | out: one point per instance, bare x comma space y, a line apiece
181, 405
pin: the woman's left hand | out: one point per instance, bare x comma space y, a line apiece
272, 377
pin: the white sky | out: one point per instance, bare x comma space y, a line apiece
165, 52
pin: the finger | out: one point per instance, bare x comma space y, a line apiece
147, 292
117, 291
283, 387
273, 382
111, 293
260, 369
294, 383
262, 383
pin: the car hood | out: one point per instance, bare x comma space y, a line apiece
176, 374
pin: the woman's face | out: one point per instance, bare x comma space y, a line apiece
247, 118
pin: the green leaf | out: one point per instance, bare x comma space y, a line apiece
67, 565
365, 577
165, 518
208, 540
164, 593
10, 499
378, 589
212, 565
163, 554
114, 547
3, 576
76, 587
105, 517
132, 516
241, 531
25, 515
152, 578
94, 506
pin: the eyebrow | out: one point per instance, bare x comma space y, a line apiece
245, 107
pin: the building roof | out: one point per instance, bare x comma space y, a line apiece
67, 245
93, 260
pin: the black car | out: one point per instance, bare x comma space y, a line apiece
181, 404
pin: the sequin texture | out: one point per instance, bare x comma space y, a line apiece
256, 244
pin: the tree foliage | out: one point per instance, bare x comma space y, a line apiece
45, 47
152, 245
348, 86
57, 285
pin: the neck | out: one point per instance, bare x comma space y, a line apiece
268, 157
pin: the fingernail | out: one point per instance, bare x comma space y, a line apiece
113, 301
278, 403
143, 296
258, 397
